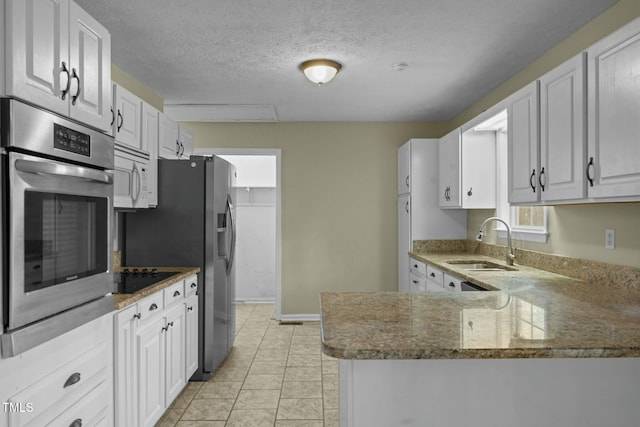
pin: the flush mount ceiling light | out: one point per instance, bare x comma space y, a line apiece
320, 71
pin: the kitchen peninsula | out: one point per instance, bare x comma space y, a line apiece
541, 350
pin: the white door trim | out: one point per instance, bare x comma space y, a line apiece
262, 152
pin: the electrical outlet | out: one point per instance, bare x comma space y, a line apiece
609, 239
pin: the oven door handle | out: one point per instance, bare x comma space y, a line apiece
79, 172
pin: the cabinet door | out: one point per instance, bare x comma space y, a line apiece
523, 145
90, 58
150, 140
175, 352
449, 155
404, 241
404, 168
417, 283
151, 372
614, 102
37, 52
452, 283
169, 147
128, 120
562, 136
191, 307
478, 170
125, 366
187, 143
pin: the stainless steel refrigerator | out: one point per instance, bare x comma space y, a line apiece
193, 225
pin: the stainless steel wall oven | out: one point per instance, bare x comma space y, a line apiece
57, 210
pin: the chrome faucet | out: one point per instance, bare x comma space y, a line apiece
510, 255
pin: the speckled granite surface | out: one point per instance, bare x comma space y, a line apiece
531, 314
123, 300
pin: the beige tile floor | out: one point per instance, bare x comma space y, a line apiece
275, 375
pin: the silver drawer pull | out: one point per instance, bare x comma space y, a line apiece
76, 423
153, 307
176, 294
73, 379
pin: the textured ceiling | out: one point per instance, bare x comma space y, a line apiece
246, 52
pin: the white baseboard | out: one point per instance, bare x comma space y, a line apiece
256, 301
300, 318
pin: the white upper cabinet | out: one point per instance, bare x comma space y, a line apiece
449, 155
127, 123
562, 132
613, 159
90, 56
176, 142
59, 58
404, 169
478, 157
467, 170
169, 146
150, 139
523, 145
187, 143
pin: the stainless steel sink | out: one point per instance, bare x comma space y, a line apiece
472, 265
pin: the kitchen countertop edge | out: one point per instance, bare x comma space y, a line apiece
123, 300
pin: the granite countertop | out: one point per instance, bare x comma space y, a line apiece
531, 314
123, 300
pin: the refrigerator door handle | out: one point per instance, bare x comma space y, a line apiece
232, 230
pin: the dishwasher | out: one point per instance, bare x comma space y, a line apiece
468, 286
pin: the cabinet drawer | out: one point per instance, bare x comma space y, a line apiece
174, 293
61, 389
150, 307
417, 267
435, 286
190, 285
435, 275
417, 283
451, 283
92, 410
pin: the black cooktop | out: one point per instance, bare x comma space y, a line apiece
131, 280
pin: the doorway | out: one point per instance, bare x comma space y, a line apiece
258, 203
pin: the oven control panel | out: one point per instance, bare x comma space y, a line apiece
71, 140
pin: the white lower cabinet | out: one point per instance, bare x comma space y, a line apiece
191, 320
154, 353
452, 283
425, 277
67, 381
